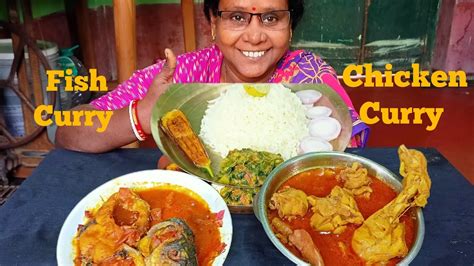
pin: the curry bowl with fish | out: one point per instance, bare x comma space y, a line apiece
332, 208
153, 217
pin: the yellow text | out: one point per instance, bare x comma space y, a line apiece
403, 79
372, 113
77, 83
72, 118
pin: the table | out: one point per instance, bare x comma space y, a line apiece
31, 220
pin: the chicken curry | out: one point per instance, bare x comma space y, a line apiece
344, 216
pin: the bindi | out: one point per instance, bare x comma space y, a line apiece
254, 8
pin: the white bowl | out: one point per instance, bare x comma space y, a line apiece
65, 251
327, 128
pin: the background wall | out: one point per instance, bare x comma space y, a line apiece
341, 31
159, 25
377, 31
455, 42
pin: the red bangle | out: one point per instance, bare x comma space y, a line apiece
136, 122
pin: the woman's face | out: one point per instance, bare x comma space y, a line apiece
250, 54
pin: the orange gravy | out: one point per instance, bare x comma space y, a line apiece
194, 212
336, 249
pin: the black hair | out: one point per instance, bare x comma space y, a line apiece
295, 6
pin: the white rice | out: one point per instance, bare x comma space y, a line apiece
273, 123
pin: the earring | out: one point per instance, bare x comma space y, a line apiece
291, 35
213, 35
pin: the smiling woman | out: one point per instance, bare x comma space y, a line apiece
252, 44
251, 40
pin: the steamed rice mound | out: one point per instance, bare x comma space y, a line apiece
273, 123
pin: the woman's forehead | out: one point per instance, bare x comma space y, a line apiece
253, 5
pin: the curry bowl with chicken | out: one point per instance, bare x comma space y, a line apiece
153, 217
332, 208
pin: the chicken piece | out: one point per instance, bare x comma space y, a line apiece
303, 242
414, 169
300, 239
334, 212
356, 181
282, 230
289, 202
382, 236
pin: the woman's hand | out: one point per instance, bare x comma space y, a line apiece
159, 85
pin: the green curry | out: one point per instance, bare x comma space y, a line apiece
247, 167
237, 196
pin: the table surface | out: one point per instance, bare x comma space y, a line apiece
31, 220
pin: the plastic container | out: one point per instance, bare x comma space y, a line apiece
10, 103
67, 60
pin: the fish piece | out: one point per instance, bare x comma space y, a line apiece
334, 212
382, 236
170, 242
123, 218
126, 210
175, 124
126, 255
289, 202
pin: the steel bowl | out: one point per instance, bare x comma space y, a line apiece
325, 159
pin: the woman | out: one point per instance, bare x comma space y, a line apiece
251, 44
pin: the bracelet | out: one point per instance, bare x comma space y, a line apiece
136, 127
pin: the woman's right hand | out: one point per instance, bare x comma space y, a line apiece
159, 85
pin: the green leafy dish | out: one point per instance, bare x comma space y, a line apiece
247, 167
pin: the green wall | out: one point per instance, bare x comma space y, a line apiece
400, 32
42, 8
3, 10
97, 3
39, 8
